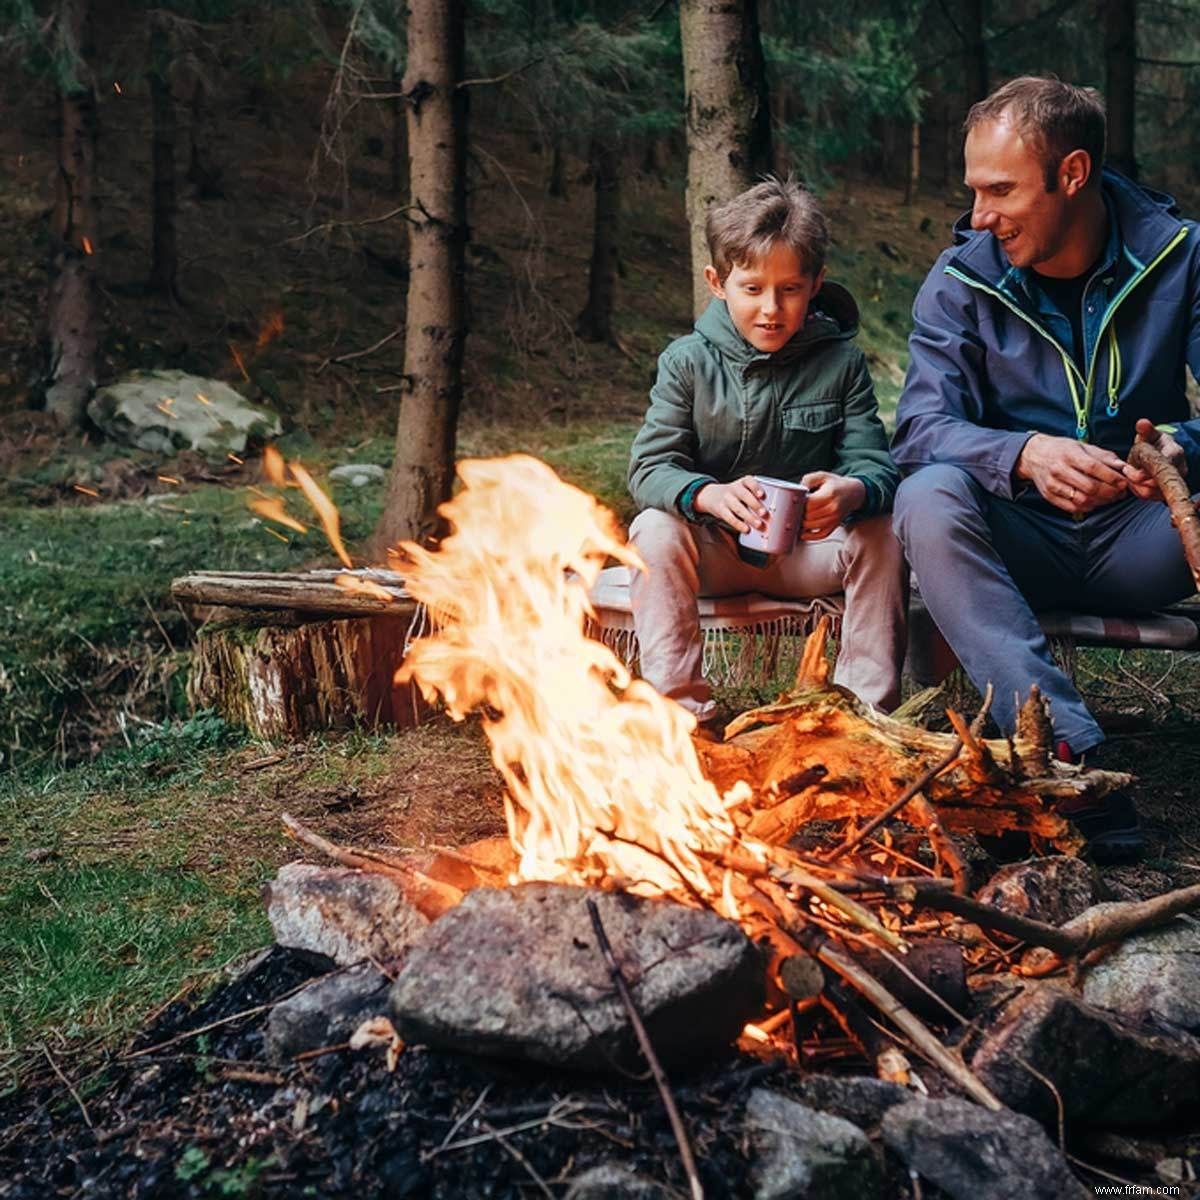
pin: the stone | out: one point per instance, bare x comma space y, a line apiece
326, 1012
1053, 890
1155, 974
860, 1099
168, 411
803, 1154
971, 1153
1106, 1070
614, 1181
516, 973
358, 474
346, 915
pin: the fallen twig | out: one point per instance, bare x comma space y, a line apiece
643, 1038
68, 1085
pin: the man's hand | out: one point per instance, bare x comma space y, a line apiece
737, 504
1141, 483
831, 498
1072, 475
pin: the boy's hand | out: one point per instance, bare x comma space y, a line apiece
1141, 483
737, 504
831, 498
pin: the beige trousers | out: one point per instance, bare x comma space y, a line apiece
863, 560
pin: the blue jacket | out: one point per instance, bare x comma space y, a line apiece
990, 358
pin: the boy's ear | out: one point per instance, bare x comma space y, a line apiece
819, 282
714, 283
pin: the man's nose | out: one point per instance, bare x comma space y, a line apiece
982, 217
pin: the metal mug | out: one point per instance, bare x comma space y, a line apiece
784, 502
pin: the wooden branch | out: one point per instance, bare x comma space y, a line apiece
309, 592
430, 896
1175, 492
647, 1048
862, 981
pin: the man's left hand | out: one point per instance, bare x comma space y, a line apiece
831, 498
1141, 483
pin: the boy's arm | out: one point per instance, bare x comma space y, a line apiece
662, 466
862, 452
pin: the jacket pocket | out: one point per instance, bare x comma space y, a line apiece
813, 416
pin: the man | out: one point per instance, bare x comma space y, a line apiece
1052, 334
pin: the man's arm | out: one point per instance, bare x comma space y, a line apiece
940, 418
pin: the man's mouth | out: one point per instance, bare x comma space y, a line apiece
1003, 238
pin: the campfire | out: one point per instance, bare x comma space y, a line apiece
820, 835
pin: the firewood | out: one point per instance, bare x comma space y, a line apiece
1175, 492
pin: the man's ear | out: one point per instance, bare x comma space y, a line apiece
1074, 172
714, 283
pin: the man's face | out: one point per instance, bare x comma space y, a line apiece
768, 300
1032, 225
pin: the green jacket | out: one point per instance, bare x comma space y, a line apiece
721, 409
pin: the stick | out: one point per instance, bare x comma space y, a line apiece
1175, 492
643, 1038
68, 1085
817, 944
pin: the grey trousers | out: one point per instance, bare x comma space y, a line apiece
684, 561
985, 565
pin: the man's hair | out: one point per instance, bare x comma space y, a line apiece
743, 230
1053, 117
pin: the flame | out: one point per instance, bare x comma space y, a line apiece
273, 467
87, 246
602, 775
325, 509
270, 329
239, 362
364, 587
117, 87
272, 508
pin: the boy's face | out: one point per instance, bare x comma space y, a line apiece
768, 299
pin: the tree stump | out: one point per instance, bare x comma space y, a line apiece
287, 655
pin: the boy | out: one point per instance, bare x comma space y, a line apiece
770, 383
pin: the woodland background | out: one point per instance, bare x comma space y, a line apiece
249, 216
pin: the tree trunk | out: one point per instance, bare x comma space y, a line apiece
975, 57
913, 182
557, 185
595, 322
164, 264
1120, 64
435, 330
202, 169
721, 55
72, 318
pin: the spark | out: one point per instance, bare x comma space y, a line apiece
117, 88
203, 398
237, 358
273, 466
87, 245
87, 491
241, 462
168, 479
166, 410
274, 534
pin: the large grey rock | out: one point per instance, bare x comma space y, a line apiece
1044, 889
344, 914
358, 474
802, 1154
516, 973
1155, 974
860, 1099
974, 1154
1107, 1071
614, 1181
168, 411
326, 1012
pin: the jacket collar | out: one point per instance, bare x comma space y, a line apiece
832, 316
1142, 221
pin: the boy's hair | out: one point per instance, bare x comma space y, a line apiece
1053, 117
744, 229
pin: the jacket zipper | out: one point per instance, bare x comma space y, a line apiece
1082, 410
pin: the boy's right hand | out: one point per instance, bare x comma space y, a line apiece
737, 504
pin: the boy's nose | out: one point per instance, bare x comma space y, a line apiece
770, 301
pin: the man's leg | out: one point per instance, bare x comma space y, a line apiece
864, 560
957, 538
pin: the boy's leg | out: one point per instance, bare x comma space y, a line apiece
665, 615
865, 562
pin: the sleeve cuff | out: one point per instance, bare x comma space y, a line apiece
686, 501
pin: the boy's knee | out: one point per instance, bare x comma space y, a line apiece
876, 537
657, 535
929, 500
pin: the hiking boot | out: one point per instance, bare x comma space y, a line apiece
1110, 825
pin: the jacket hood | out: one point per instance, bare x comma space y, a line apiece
832, 316
1147, 220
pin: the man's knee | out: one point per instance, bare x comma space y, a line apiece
930, 500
